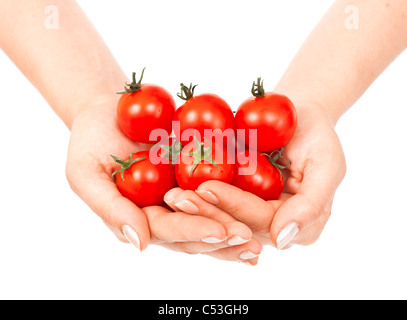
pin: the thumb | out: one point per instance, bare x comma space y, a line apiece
304, 215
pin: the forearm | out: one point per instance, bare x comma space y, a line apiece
71, 66
337, 63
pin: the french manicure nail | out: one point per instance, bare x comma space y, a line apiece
287, 235
246, 255
187, 206
236, 240
208, 196
131, 236
212, 240
169, 197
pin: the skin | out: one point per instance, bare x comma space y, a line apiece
333, 68
331, 71
78, 68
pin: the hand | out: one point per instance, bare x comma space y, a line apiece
223, 239
95, 135
299, 216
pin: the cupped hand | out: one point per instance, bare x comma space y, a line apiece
299, 216
228, 240
95, 135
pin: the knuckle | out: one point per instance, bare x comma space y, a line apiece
316, 210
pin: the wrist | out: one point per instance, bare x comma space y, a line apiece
106, 104
305, 104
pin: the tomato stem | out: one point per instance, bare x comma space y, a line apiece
133, 86
273, 157
125, 164
201, 154
258, 88
186, 92
171, 152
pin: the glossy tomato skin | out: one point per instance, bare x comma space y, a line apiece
273, 116
205, 111
189, 178
265, 180
139, 113
145, 183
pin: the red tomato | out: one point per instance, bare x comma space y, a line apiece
272, 115
206, 111
143, 108
200, 162
262, 177
141, 181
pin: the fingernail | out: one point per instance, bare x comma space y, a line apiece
236, 240
250, 263
212, 240
287, 235
208, 196
131, 236
246, 255
187, 206
169, 196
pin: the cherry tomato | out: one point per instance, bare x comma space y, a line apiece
143, 108
203, 161
272, 115
259, 174
205, 111
143, 182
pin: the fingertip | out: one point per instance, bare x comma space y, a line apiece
251, 263
130, 220
186, 201
208, 196
238, 233
214, 186
132, 236
286, 235
171, 194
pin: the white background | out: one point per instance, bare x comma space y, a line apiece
53, 247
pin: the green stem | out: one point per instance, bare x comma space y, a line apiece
172, 152
133, 86
186, 92
125, 164
273, 158
201, 154
258, 88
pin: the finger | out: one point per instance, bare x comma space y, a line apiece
187, 201
191, 247
122, 216
247, 252
312, 202
171, 227
184, 204
242, 205
310, 233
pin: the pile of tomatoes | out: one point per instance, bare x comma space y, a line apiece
202, 140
